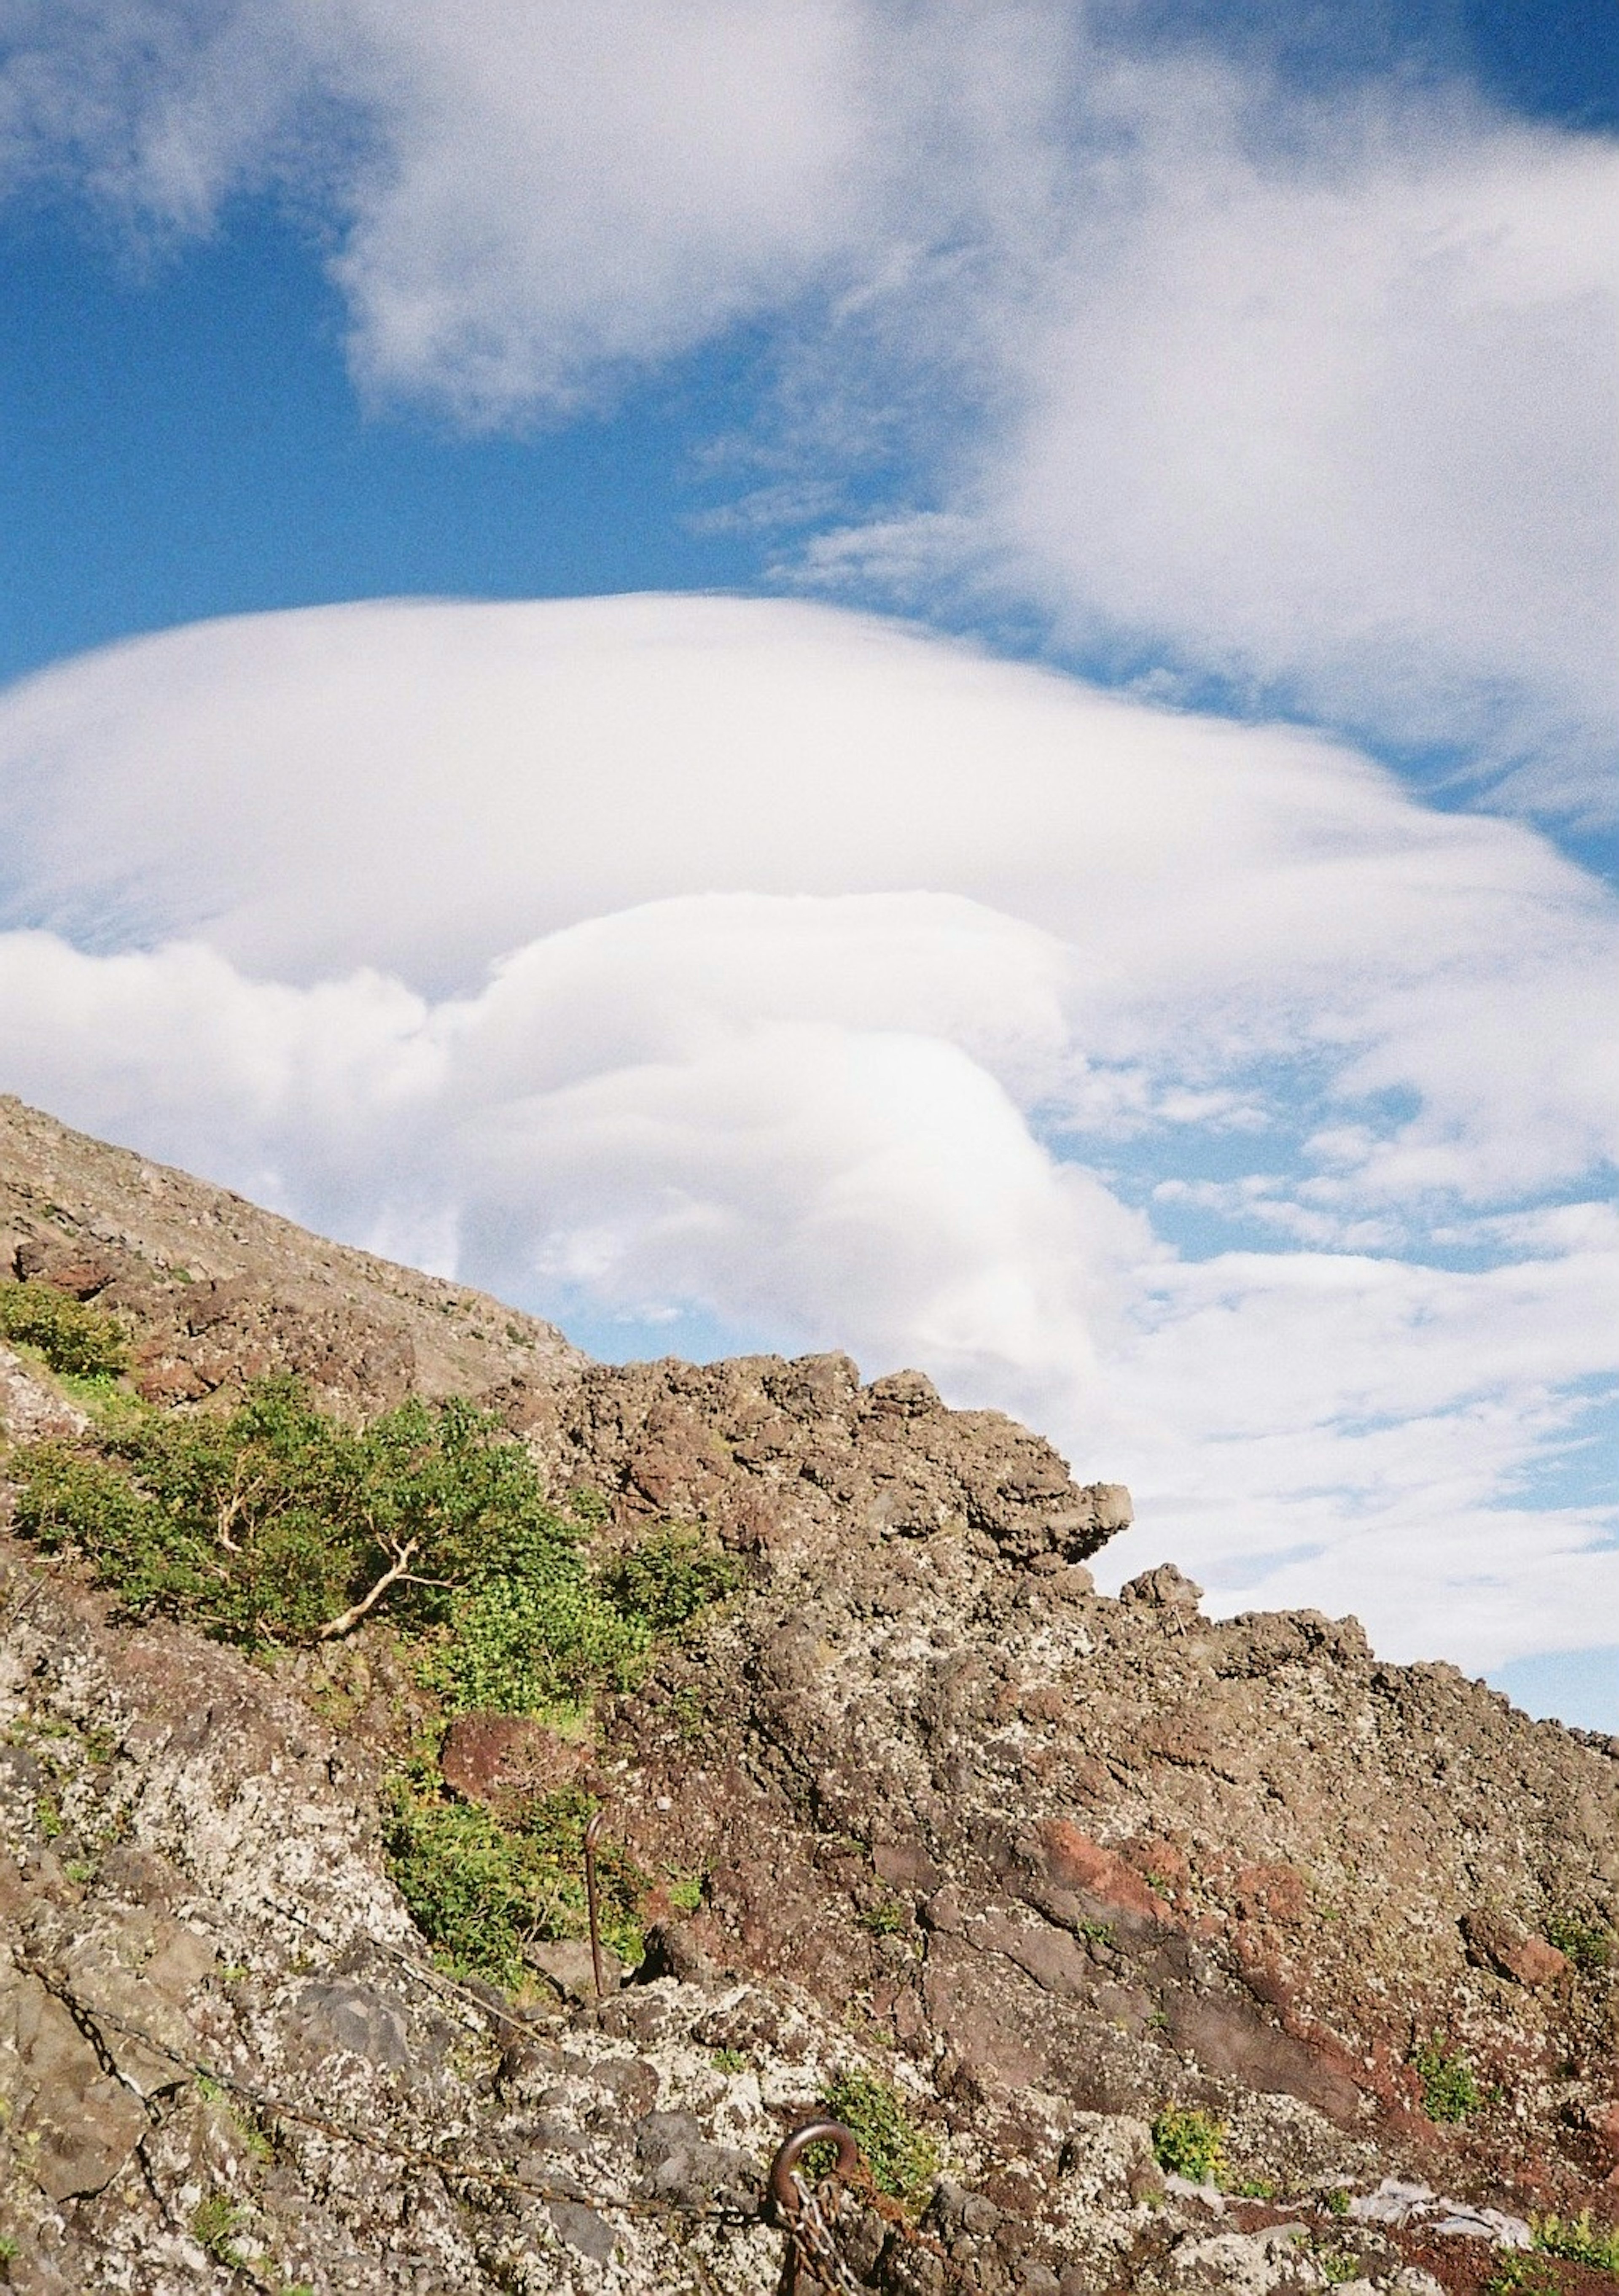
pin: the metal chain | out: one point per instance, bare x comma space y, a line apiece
818, 2251
813, 2239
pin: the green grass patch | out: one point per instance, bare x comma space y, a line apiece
214, 2221
904, 2160
1187, 2141
1449, 2085
81, 1341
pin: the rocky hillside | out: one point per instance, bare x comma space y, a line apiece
1138, 1950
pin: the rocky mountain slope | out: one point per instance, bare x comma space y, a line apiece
1053, 1898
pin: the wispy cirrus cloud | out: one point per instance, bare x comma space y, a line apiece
1310, 399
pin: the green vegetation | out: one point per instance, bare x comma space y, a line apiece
887, 1918
1580, 2240
685, 1892
213, 2222
1337, 2201
1517, 2274
72, 1338
275, 1525
669, 1579
1449, 2087
730, 2060
1187, 2141
1588, 1945
904, 2160
479, 1888
278, 1523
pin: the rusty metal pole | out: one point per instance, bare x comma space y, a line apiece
592, 1831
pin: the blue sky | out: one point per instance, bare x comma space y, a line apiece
1251, 369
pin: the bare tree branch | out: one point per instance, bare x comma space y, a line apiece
399, 1568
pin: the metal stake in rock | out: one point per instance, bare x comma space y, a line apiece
807, 2229
592, 1831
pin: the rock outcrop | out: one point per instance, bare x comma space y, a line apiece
220, 1292
918, 1808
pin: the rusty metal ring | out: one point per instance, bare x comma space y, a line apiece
792, 2148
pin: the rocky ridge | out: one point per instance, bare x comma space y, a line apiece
1036, 1862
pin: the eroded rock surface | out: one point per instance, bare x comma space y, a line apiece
1041, 1861
219, 1292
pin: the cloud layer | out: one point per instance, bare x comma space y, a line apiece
1320, 400
717, 974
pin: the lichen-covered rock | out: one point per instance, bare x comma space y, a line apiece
923, 1819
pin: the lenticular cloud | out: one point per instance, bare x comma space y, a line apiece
711, 973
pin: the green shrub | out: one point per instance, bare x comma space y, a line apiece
480, 1889
1579, 2239
534, 1643
1517, 2274
668, 1579
1449, 2087
70, 1336
904, 2160
1587, 1946
1187, 2141
276, 1523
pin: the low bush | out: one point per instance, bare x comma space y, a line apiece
1580, 2240
480, 1888
73, 1338
1449, 2087
277, 1524
669, 1579
1187, 2141
904, 2160
274, 1525
1587, 1945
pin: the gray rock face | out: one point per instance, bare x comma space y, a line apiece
343, 2015
921, 1819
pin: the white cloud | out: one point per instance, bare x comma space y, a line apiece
772, 974
1334, 408
528, 193
1319, 399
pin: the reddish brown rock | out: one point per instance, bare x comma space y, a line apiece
1073, 1861
488, 1757
1274, 1893
1498, 1943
